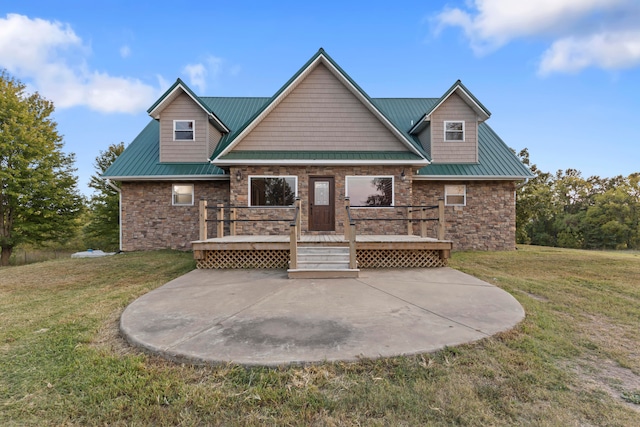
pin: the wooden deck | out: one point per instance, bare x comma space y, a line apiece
273, 251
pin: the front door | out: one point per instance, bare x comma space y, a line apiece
321, 203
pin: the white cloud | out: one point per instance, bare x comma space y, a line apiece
125, 51
585, 32
612, 50
203, 72
197, 75
49, 56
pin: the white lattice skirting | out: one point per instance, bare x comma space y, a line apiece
279, 259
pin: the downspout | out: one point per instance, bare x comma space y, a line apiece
115, 187
526, 181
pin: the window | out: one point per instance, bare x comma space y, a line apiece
273, 190
374, 191
455, 195
454, 131
183, 130
182, 195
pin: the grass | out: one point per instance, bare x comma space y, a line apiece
574, 360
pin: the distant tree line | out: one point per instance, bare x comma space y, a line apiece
567, 210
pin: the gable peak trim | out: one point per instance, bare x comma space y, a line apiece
466, 95
171, 93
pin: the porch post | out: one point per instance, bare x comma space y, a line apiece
293, 246
423, 222
299, 218
441, 223
409, 222
232, 223
347, 225
353, 264
220, 220
203, 219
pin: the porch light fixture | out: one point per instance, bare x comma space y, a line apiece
239, 175
403, 177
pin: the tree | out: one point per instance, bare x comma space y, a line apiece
103, 229
39, 199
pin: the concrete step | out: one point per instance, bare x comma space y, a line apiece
323, 274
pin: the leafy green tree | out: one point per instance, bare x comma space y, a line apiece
613, 220
536, 211
103, 229
39, 199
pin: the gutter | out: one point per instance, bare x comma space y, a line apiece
115, 187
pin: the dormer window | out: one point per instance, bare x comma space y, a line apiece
454, 131
183, 130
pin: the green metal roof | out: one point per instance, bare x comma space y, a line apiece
141, 158
495, 160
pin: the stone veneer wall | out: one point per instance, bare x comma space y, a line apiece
240, 189
487, 222
149, 221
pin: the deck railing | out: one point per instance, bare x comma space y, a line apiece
222, 209
350, 226
423, 219
294, 236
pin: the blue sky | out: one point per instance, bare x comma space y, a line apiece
560, 77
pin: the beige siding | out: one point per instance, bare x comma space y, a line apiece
321, 114
454, 108
214, 137
184, 108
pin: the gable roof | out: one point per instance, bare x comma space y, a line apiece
464, 93
172, 93
140, 161
496, 161
222, 155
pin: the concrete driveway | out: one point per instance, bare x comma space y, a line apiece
260, 317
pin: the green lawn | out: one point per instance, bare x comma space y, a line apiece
574, 360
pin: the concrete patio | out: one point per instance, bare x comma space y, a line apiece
260, 317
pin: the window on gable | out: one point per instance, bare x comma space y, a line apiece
455, 195
454, 131
182, 195
183, 130
373, 191
273, 190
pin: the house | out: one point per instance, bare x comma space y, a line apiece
320, 138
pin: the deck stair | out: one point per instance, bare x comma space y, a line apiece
323, 262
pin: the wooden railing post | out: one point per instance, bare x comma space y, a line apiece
220, 216
353, 264
409, 221
203, 219
298, 219
232, 224
441, 220
347, 225
423, 222
293, 246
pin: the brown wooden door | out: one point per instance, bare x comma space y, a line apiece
321, 203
